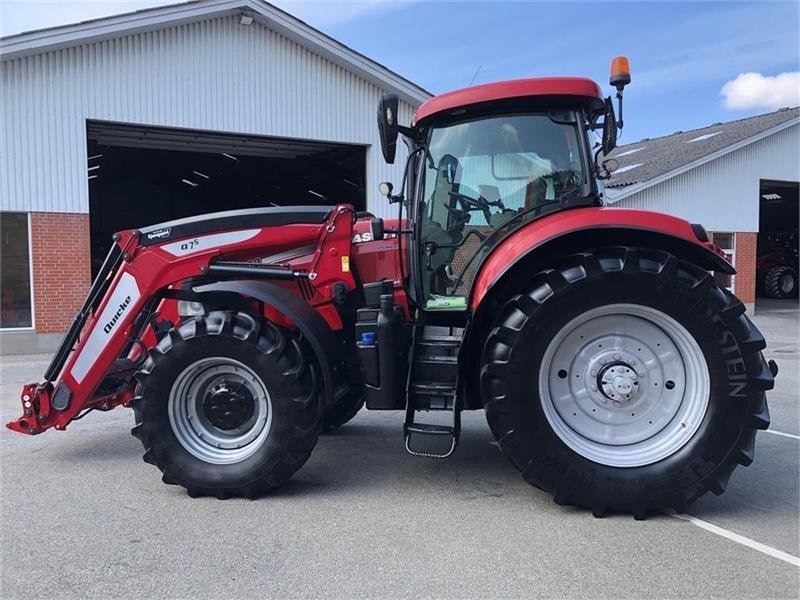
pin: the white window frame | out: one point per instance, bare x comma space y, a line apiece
732, 253
30, 278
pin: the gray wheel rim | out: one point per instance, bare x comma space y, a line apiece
624, 385
787, 283
191, 423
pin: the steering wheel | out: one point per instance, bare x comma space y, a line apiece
477, 202
469, 203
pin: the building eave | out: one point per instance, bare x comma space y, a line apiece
87, 32
620, 192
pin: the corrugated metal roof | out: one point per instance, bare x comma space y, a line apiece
651, 159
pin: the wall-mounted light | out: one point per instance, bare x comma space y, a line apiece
246, 20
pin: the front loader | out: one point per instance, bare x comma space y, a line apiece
615, 372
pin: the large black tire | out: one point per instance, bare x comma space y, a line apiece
781, 282
715, 319
275, 360
344, 409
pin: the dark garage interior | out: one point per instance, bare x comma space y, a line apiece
777, 262
144, 175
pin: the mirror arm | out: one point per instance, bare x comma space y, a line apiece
409, 132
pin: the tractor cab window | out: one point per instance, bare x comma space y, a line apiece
484, 179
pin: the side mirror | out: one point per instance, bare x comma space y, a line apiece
609, 128
376, 228
387, 126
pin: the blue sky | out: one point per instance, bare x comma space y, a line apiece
682, 53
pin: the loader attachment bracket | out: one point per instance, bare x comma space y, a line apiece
35, 401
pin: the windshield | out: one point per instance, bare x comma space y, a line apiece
482, 174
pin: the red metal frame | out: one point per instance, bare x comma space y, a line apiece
150, 269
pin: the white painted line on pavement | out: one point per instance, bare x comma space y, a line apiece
789, 435
739, 539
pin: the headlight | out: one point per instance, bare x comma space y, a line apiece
190, 309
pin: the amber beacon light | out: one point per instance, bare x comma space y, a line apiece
620, 72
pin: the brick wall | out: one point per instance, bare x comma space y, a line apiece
61, 268
745, 254
745, 261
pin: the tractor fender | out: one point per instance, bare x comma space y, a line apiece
309, 322
549, 237
547, 240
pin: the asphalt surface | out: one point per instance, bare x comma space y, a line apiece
83, 516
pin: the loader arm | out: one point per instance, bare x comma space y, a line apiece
111, 333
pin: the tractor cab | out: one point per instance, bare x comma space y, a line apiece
483, 163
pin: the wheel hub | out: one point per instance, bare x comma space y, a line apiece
227, 408
787, 283
618, 381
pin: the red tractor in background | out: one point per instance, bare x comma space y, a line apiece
614, 372
777, 265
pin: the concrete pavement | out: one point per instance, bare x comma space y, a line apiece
83, 516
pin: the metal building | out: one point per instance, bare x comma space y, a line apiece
162, 113
739, 179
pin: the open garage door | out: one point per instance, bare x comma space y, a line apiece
777, 264
144, 175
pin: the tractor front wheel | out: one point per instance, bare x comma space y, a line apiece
343, 410
227, 405
627, 380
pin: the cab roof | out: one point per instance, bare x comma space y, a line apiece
505, 90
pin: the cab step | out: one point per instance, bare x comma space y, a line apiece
430, 429
433, 385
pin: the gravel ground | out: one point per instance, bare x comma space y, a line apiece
83, 516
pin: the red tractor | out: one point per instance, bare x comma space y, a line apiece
614, 372
777, 265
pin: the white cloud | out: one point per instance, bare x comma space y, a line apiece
754, 90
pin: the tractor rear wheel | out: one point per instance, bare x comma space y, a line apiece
781, 282
625, 380
227, 405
